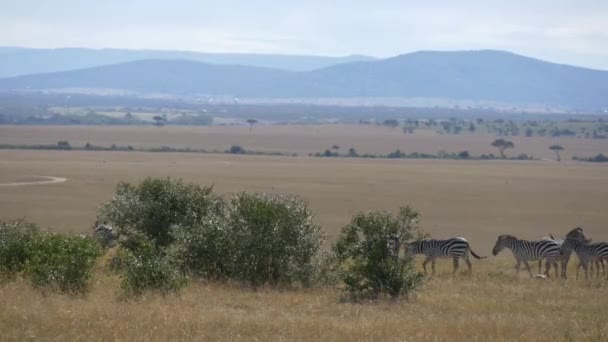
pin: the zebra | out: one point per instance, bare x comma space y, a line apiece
525, 250
587, 252
105, 235
454, 248
576, 234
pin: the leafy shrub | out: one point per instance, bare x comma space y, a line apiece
15, 236
151, 208
61, 262
273, 238
149, 269
370, 265
204, 249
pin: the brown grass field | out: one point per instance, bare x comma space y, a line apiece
475, 199
301, 139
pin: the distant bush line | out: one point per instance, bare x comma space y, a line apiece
398, 154
237, 149
600, 158
66, 146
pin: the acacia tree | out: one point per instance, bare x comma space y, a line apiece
251, 122
502, 145
556, 149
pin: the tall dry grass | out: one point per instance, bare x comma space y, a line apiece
491, 305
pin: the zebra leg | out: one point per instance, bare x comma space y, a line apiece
585, 266
540, 266
466, 259
528, 268
517, 266
433, 265
455, 259
426, 261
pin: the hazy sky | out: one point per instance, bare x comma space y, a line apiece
573, 32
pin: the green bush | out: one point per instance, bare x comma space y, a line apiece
61, 262
273, 239
15, 236
149, 269
367, 252
204, 249
153, 207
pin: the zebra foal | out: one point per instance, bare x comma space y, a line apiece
525, 250
454, 248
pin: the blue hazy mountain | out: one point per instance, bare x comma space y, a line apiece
464, 75
16, 61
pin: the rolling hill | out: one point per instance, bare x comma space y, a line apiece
16, 61
462, 75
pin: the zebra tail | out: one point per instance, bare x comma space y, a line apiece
475, 255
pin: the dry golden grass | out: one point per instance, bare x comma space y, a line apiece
475, 199
492, 305
302, 139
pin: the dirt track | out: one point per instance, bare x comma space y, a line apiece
49, 180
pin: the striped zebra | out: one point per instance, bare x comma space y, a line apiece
587, 253
575, 234
525, 250
454, 248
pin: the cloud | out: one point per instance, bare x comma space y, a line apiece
559, 30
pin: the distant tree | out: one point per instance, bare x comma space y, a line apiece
236, 149
335, 147
64, 145
352, 152
464, 155
159, 120
391, 123
529, 132
472, 127
556, 149
502, 145
251, 122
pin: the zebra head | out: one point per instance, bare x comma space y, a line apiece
393, 244
577, 234
105, 235
414, 247
502, 242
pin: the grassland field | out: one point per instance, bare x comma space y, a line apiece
475, 199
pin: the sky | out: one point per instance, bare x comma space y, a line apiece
571, 32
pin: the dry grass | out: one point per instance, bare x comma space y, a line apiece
491, 305
475, 199
302, 139
478, 200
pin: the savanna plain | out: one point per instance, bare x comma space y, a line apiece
475, 199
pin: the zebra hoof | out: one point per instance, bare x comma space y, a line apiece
540, 276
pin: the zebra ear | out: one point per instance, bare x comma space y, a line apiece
588, 240
551, 236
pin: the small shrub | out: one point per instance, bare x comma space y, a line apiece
236, 149
15, 236
151, 208
370, 265
61, 262
150, 270
274, 239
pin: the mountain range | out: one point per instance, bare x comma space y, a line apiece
17, 61
486, 75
